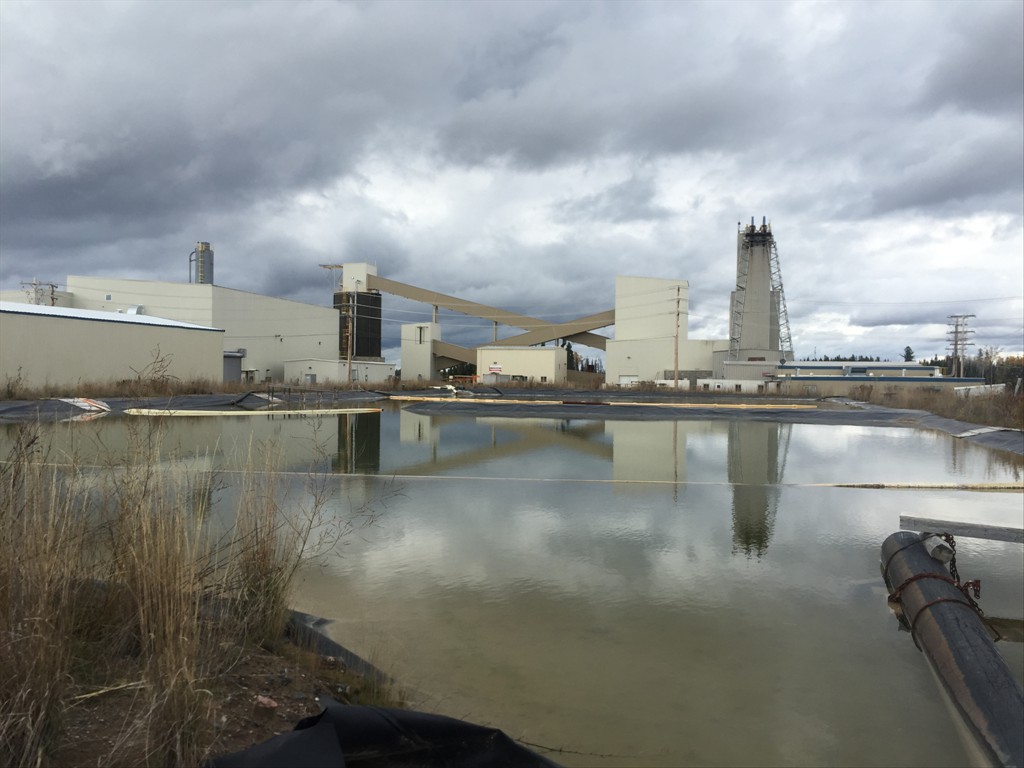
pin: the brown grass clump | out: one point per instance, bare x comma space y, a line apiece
117, 582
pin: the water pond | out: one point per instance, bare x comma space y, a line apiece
634, 593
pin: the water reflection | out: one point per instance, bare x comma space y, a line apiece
757, 460
681, 592
358, 443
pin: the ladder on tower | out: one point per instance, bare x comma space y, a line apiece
736, 323
785, 337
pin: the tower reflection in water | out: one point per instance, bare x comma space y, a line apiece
358, 443
638, 451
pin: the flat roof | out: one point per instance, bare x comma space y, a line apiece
17, 308
853, 364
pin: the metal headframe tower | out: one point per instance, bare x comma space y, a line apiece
759, 239
785, 337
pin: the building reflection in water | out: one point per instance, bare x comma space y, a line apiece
358, 443
756, 466
639, 451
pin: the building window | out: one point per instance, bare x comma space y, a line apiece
739, 387
543, 379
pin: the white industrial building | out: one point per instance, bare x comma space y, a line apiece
265, 330
651, 343
44, 346
259, 338
270, 339
533, 365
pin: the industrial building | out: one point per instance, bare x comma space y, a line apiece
269, 339
46, 345
651, 342
259, 338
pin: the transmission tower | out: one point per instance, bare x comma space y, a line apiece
958, 337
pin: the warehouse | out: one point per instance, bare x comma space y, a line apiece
57, 346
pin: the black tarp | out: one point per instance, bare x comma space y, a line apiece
384, 737
19, 411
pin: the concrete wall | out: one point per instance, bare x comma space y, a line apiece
353, 276
739, 386
271, 330
65, 351
650, 315
274, 330
329, 372
417, 352
539, 365
185, 302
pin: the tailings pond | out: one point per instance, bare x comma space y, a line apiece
691, 592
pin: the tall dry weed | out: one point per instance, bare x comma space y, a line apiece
126, 570
41, 535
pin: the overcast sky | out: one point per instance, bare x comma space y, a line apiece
523, 154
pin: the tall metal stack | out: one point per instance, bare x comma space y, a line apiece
204, 263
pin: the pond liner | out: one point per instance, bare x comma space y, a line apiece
951, 633
54, 409
379, 737
307, 631
375, 737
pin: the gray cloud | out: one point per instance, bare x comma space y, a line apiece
629, 200
521, 154
982, 68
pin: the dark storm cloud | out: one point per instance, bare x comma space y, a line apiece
257, 113
982, 67
630, 200
986, 168
647, 84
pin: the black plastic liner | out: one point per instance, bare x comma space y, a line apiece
372, 737
16, 411
349, 735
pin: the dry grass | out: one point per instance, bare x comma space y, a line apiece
997, 410
119, 581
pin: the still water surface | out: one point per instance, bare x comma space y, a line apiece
637, 593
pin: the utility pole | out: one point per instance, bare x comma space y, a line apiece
675, 358
958, 335
35, 292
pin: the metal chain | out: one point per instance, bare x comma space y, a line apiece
967, 587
